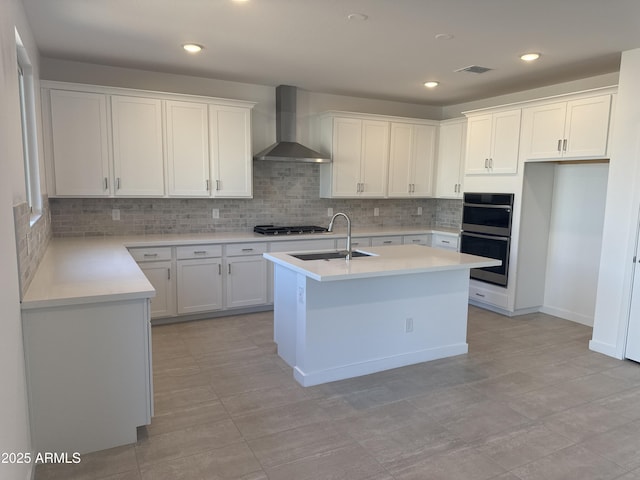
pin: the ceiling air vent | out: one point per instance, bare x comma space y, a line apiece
474, 69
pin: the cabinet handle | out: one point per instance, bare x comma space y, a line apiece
486, 163
415, 241
559, 145
445, 241
564, 145
118, 183
479, 295
491, 163
247, 249
229, 269
199, 252
388, 241
219, 269
106, 183
168, 273
150, 255
207, 184
217, 184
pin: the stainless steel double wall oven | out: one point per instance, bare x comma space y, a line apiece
486, 231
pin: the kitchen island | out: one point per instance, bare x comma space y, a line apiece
404, 304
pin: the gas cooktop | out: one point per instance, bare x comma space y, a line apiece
294, 230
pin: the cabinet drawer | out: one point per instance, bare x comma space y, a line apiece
444, 241
390, 240
417, 239
485, 295
143, 254
199, 251
236, 249
356, 242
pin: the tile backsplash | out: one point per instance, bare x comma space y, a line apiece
283, 194
31, 241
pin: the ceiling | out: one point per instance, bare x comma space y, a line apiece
312, 44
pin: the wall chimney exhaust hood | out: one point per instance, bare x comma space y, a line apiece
286, 149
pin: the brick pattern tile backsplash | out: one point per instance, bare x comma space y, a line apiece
31, 241
283, 194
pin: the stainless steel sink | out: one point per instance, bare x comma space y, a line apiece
329, 255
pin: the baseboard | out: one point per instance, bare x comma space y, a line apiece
214, 314
308, 379
568, 315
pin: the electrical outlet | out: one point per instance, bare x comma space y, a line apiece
115, 214
329, 212
408, 325
376, 212
419, 210
215, 213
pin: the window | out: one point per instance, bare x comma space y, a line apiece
29, 137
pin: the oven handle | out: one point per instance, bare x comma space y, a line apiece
488, 237
481, 205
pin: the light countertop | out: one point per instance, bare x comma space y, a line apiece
89, 270
385, 261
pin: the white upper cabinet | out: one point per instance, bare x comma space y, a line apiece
411, 160
231, 161
138, 161
360, 156
78, 141
187, 149
450, 158
104, 141
492, 145
573, 129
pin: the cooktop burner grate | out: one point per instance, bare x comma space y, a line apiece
288, 230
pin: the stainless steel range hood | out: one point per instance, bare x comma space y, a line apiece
286, 149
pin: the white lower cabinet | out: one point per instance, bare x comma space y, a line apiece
423, 239
199, 285
246, 281
488, 295
448, 242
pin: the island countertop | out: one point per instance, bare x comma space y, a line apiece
384, 261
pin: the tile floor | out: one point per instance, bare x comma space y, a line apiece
529, 401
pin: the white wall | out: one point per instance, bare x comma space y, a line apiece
621, 215
14, 424
605, 80
575, 241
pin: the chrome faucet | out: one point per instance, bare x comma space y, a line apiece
330, 229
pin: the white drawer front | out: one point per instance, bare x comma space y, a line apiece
302, 245
444, 241
488, 296
390, 240
237, 249
417, 239
150, 254
199, 251
356, 242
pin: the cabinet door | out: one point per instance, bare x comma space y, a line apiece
246, 281
79, 143
375, 158
543, 131
231, 159
347, 152
187, 149
450, 159
400, 159
587, 127
137, 146
505, 142
423, 159
160, 276
199, 285
478, 144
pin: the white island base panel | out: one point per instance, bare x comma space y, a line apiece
330, 331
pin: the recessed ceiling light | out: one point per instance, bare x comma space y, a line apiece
192, 47
444, 36
357, 17
431, 84
530, 57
